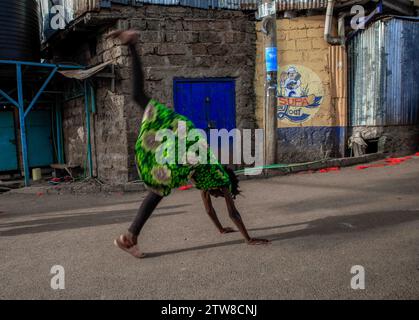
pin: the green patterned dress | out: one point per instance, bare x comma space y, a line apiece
162, 178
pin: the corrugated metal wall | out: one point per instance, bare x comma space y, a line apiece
337, 61
206, 4
282, 5
384, 82
76, 8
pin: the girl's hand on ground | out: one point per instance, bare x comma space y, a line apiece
258, 242
227, 230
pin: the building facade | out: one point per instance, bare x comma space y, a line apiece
194, 60
206, 59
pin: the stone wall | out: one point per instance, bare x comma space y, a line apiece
174, 42
393, 140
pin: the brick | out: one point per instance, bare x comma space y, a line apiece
178, 61
118, 51
298, 23
304, 44
290, 57
150, 36
220, 25
197, 26
210, 37
316, 55
154, 60
296, 34
172, 24
171, 49
147, 48
283, 24
138, 24
199, 49
218, 50
190, 37
153, 25
287, 45
107, 56
281, 35
314, 21
239, 25
319, 44
315, 33
177, 11
234, 37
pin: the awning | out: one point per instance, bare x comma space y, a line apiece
85, 73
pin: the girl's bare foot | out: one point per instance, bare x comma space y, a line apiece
129, 245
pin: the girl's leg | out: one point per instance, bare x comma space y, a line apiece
235, 216
150, 203
128, 242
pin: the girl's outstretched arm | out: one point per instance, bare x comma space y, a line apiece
130, 38
138, 92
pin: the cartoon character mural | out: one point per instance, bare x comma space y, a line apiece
291, 82
300, 94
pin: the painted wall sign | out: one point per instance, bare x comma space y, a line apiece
271, 56
300, 94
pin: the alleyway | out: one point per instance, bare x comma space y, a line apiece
320, 225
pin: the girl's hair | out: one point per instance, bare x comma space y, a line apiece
235, 191
234, 188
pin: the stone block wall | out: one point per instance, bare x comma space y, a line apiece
174, 42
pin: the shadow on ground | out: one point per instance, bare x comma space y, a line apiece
76, 221
324, 226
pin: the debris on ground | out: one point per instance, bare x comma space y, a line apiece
329, 169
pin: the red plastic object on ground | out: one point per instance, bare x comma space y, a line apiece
362, 167
394, 161
329, 169
184, 188
417, 154
378, 165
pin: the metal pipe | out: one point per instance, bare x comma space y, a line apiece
59, 136
328, 25
93, 104
22, 124
8, 98
89, 142
341, 26
35, 99
38, 64
93, 99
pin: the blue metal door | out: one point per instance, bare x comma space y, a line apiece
209, 103
38, 132
8, 154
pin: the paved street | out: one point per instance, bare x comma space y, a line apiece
320, 224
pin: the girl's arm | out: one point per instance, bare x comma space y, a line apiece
138, 92
130, 38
